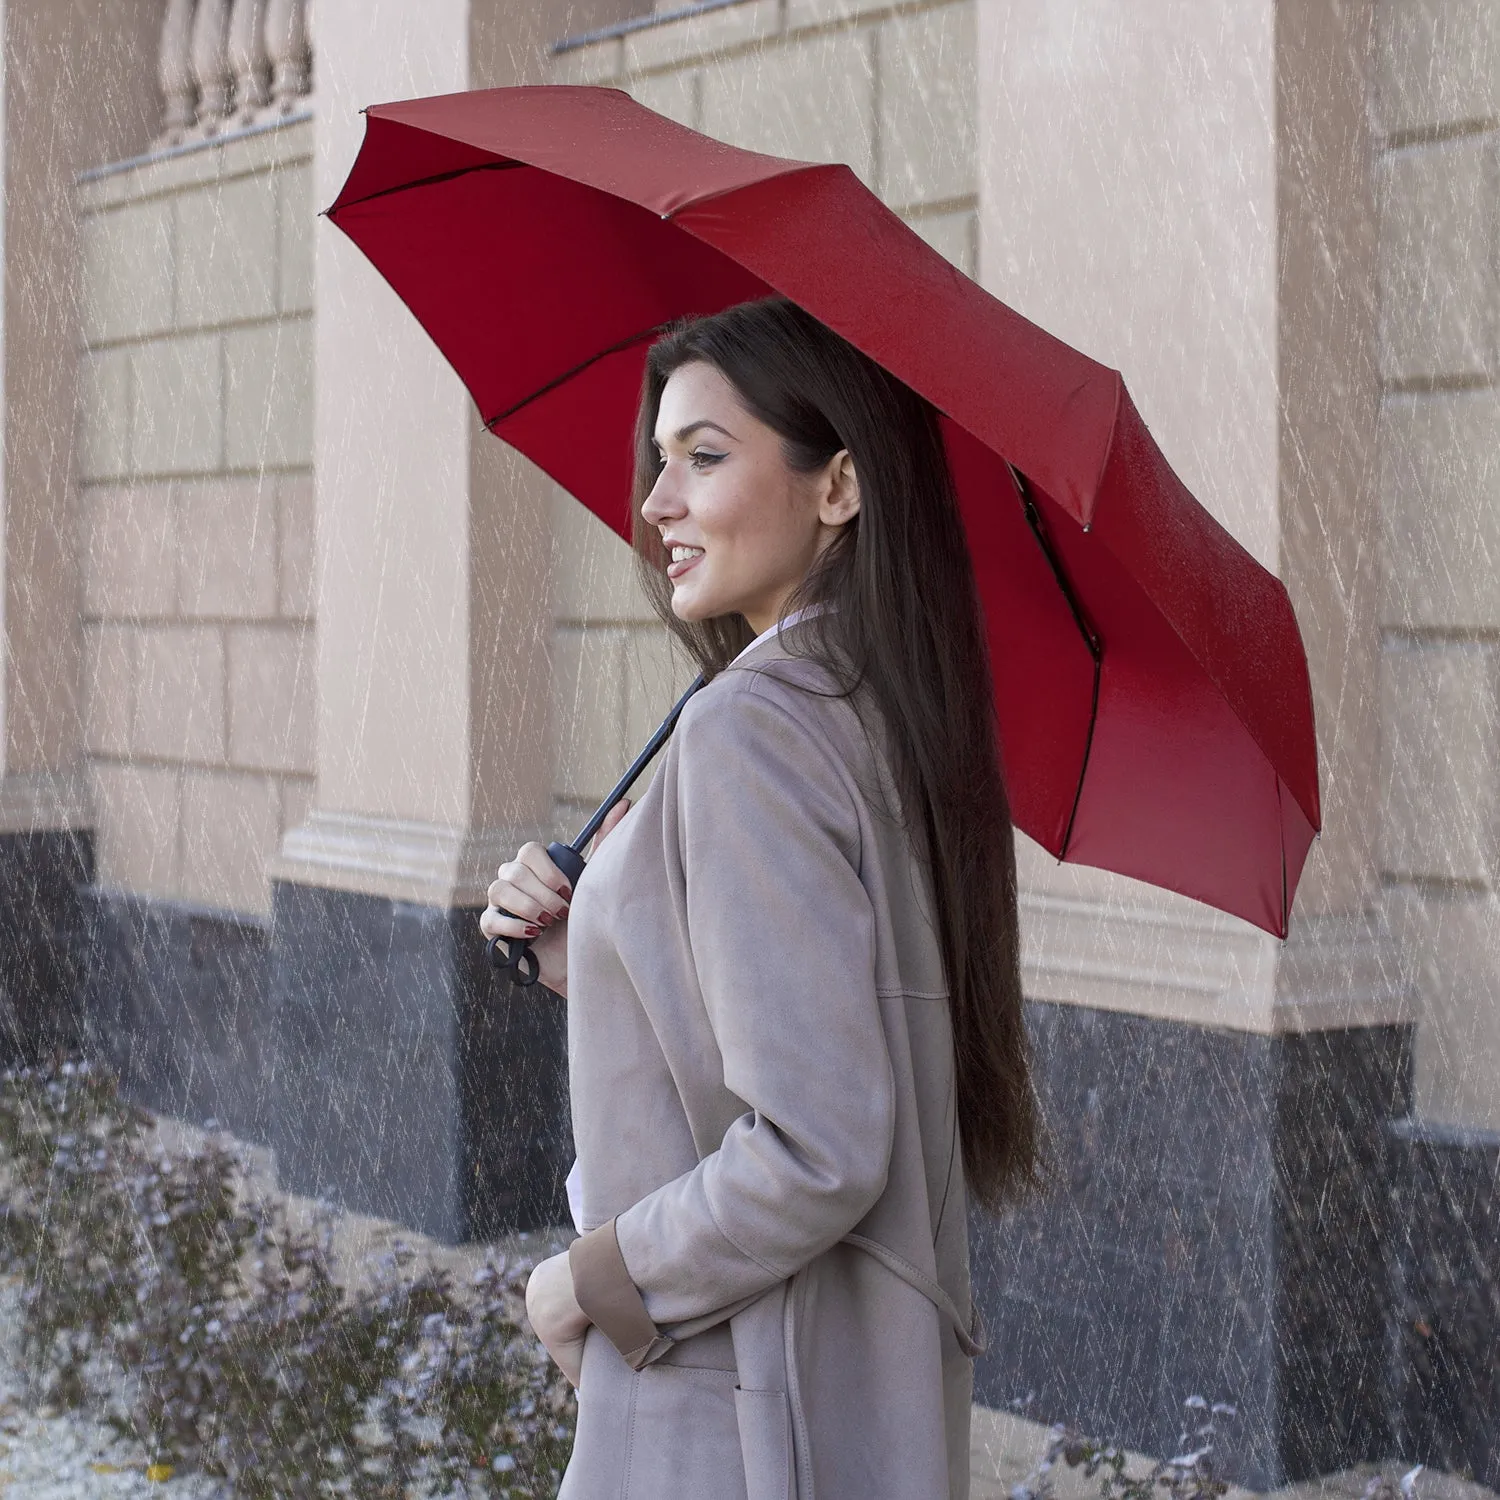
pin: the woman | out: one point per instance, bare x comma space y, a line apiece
794, 1011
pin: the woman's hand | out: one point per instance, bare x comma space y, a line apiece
531, 886
556, 1318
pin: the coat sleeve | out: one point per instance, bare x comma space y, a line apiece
782, 936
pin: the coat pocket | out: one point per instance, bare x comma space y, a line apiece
682, 1436
765, 1443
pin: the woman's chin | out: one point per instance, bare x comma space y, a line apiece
690, 610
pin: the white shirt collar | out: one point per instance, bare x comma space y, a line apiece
765, 635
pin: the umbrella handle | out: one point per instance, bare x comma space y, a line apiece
518, 961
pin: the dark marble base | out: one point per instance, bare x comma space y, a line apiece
175, 1001
41, 941
1445, 1315
405, 1081
1216, 1227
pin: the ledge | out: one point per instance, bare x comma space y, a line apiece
801, 15
236, 153
44, 802
1206, 969
1420, 1132
666, 40
427, 864
640, 23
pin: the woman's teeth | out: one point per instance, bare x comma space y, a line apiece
681, 554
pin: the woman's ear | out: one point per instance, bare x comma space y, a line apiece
840, 500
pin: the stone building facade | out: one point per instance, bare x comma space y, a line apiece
295, 654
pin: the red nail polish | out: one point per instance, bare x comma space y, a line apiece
533, 931
545, 919
566, 893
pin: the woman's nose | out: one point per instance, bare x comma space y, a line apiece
663, 503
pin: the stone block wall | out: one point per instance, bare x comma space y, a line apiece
888, 90
195, 504
1438, 172
615, 669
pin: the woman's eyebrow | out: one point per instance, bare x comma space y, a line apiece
684, 433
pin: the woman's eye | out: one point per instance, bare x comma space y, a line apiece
699, 458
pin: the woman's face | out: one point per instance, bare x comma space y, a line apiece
741, 528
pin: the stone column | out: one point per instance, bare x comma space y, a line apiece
1184, 191
76, 87
406, 1082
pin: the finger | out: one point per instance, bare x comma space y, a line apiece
521, 891
544, 867
493, 924
508, 898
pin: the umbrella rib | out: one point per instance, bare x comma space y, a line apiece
801, 169
416, 182
1286, 907
1090, 639
567, 375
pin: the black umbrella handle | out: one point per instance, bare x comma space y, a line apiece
518, 961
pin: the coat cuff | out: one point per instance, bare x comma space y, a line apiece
609, 1298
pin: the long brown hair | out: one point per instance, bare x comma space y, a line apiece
905, 623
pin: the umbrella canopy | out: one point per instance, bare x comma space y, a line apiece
1150, 682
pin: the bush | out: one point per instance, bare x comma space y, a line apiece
1189, 1475
215, 1333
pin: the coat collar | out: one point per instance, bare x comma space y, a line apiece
765, 648
773, 632
768, 644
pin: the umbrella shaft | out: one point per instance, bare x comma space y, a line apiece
623, 785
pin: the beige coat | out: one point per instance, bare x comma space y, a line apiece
775, 1257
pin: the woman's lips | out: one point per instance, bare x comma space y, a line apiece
677, 569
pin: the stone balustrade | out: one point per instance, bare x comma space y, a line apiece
227, 64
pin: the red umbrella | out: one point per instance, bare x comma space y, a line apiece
1150, 681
